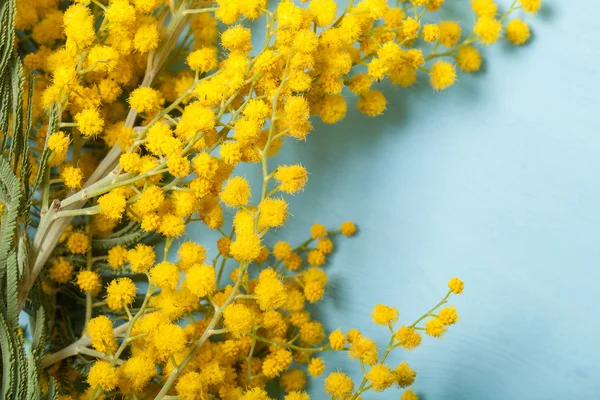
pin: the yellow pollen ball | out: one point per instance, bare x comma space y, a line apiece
237, 38
203, 60
191, 253
318, 231
468, 59
201, 280
89, 281
449, 33
145, 99
531, 6
442, 75
104, 374
236, 192
372, 103
405, 376
333, 109
119, 293
488, 29
518, 32
431, 33
282, 250
381, 377
322, 11
348, 228
112, 205
165, 275
384, 315
273, 213
100, 331
117, 256
141, 258
338, 385
61, 270
409, 395
456, 285
89, 122
72, 177
238, 319
146, 38
77, 243
316, 367
407, 337
434, 327
484, 8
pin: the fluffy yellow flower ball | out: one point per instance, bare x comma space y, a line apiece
484, 8
407, 337
456, 285
238, 319
119, 293
141, 258
273, 213
372, 103
113, 204
468, 59
488, 29
270, 291
405, 376
337, 340
291, 178
138, 370
316, 367
203, 60
61, 270
384, 315
190, 386
434, 327
165, 275
339, 385
236, 192
531, 6
72, 177
100, 332
104, 374
145, 99
89, 281
201, 280
442, 75
381, 377
89, 122
518, 32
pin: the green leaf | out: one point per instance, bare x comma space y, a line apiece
52, 389
9, 370
4, 106
7, 33
33, 379
10, 195
12, 289
25, 160
38, 340
22, 368
127, 236
16, 100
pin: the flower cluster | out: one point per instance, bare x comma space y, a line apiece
144, 109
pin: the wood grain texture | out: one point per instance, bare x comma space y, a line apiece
495, 181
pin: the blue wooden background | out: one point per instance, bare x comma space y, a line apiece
495, 181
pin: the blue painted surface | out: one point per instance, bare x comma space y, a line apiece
495, 181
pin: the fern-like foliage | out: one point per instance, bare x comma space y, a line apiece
19, 368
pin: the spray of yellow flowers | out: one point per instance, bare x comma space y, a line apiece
141, 110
